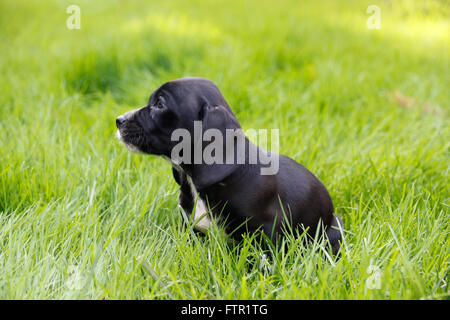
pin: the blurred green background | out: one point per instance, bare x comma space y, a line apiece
365, 109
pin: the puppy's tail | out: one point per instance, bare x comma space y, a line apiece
334, 234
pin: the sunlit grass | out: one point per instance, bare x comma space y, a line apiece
365, 110
173, 25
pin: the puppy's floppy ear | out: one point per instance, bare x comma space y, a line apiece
217, 117
220, 118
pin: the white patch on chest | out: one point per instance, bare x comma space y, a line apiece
201, 219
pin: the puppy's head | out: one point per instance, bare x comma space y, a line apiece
176, 104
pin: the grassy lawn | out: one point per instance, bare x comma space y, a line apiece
366, 110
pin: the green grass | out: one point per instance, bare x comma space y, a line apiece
365, 110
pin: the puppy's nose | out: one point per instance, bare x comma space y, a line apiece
120, 121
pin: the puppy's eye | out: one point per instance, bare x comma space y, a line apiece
159, 104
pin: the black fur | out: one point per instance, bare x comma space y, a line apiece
238, 193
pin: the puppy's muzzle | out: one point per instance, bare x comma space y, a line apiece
120, 121
129, 132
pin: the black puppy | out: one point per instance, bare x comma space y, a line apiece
237, 192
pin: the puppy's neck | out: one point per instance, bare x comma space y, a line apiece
205, 175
